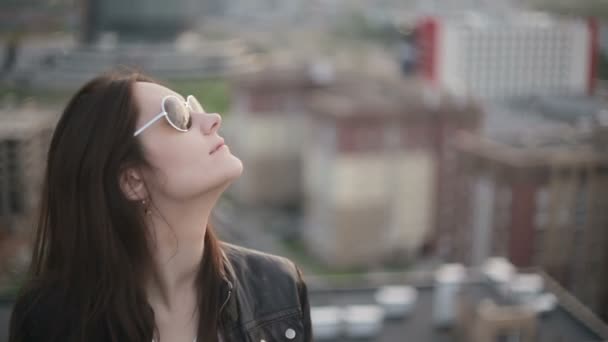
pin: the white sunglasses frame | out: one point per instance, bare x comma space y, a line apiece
164, 114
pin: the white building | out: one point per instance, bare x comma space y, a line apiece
491, 57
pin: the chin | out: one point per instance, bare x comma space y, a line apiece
239, 169
234, 169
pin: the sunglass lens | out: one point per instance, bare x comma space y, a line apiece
177, 113
195, 105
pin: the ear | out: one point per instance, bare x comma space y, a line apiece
132, 184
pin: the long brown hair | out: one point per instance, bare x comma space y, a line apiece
92, 248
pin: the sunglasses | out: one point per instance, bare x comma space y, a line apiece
177, 113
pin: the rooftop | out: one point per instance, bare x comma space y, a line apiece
568, 320
17, 122
535, 131
532, 120
361, 96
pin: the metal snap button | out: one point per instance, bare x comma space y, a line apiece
290, 333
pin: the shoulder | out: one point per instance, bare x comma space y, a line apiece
260, 264
272, 295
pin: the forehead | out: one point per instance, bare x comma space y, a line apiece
149, 97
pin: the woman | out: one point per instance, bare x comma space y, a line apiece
124, 250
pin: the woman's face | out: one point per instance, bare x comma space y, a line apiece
184, 165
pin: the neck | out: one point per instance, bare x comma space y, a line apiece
178, 242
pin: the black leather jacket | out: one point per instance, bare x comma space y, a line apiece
265, 299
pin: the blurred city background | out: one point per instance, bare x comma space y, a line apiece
438, 169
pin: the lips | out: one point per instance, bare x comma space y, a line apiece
217, 146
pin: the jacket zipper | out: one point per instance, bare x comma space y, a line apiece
227, 298
222, 309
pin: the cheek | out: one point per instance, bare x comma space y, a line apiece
196, 173
186, 173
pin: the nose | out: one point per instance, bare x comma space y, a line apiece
210, 123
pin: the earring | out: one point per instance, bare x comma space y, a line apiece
146, 209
